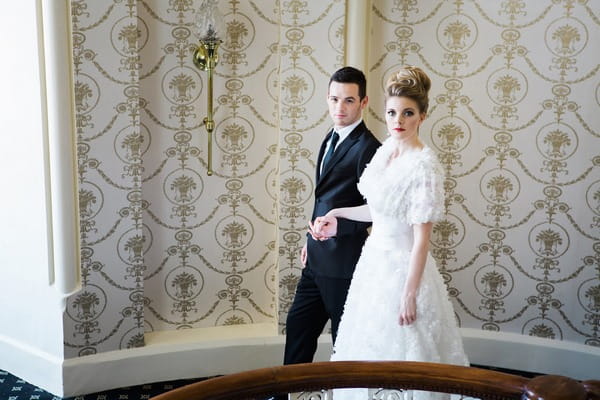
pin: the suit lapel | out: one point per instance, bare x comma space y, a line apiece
342, 149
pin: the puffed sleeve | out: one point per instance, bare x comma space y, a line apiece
426, 195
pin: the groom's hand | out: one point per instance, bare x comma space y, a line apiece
303, 255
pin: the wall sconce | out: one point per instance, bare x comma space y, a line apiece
209, 30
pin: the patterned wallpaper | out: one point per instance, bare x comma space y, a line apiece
514, 117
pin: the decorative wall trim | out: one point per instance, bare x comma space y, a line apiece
57, 82
358, 17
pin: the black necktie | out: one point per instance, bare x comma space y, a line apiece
334, 139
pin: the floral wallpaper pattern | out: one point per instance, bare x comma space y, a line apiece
513, 117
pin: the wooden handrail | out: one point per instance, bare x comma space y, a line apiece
470, 381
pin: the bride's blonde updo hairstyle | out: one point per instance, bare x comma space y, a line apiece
411, 82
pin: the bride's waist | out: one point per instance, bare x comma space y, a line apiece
390, 240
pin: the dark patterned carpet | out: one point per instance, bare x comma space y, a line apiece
13, 388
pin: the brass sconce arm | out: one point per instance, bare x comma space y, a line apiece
206, 58
208, 28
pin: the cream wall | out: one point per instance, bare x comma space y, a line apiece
31, 329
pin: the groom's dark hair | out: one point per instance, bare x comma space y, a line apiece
351, 75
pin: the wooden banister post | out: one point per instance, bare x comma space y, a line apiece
592, 389
554, 387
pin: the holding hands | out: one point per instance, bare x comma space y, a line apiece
323, 227
326, 227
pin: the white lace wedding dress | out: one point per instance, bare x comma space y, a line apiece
404, 191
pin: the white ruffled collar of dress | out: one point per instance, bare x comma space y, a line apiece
389, 146
393, 188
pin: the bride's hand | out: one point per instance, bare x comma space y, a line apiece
408, 311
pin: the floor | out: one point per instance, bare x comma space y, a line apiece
14, 388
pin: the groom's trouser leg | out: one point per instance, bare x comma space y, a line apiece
305, 321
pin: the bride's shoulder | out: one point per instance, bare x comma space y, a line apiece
428, 157
425, 166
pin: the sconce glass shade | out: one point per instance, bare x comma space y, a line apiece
209, 25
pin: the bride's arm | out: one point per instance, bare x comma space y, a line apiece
416, 266
357, 213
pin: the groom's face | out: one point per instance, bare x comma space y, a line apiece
345, 106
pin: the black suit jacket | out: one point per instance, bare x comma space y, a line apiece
336, 187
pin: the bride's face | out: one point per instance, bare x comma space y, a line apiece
403, 118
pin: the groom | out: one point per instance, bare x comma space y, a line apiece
328, 265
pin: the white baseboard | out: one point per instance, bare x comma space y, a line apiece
31, 364
208, 352
170, 355
531, 354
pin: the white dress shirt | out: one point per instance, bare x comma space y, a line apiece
343, 132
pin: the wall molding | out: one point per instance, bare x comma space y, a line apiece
358, 16
60, 137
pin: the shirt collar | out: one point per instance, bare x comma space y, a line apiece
346, 130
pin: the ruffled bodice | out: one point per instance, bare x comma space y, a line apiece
409, 188
401, 192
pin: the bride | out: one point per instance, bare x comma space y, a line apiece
397, 306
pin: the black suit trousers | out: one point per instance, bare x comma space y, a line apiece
317, 299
